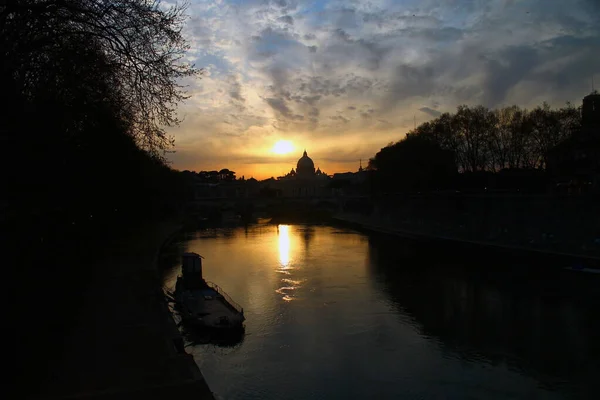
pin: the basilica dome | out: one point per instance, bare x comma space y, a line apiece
305, 166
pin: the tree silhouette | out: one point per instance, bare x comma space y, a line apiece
140, 43
415, 163
481, 142
226, 175
88, 87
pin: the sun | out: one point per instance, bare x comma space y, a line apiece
283, 147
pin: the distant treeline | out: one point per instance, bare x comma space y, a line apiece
452, 150
223, 175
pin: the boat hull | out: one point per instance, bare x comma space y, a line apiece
205, 307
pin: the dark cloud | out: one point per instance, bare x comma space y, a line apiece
280, 106
342, 35
367, 113
313, 119
320, 86
409, 81
430, 111
235, 91
400, 20
364, 52
384, 124
309, 36
505, 70
279, 76
273, 41
358, 84
574, 75
287, 19
312, 49
346, 18
286, 5
437, 35
311, 100
557, 68
340, 118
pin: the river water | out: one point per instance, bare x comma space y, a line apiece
335, 314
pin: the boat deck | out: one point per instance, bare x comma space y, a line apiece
211, 306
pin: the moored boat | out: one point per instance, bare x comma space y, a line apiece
204, 304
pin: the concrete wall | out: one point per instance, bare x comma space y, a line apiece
559, 223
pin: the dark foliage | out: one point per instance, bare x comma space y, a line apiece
87, 87
413, 164
504, 149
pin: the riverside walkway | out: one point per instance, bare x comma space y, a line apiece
125, 344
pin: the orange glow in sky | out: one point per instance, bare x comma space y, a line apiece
342, 84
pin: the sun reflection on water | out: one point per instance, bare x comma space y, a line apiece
289, 285
284, 245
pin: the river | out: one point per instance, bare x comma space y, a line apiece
332, 313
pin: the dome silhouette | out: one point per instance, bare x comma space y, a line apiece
305, 166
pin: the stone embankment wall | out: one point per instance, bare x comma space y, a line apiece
569, 224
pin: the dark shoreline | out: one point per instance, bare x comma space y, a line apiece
125, 343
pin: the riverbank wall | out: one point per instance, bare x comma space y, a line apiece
565, 227
126, 343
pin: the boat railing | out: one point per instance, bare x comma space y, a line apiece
227, 298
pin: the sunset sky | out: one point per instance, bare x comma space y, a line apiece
344, 78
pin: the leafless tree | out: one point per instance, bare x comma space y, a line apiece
142, 45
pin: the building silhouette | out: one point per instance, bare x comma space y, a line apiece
305, 181
574, 163
305, 168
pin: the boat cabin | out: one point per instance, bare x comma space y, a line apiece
192, 271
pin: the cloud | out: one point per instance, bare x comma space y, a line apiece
289, 67
287, 19
505, 70
236, 90
280, 106
430, 111
340, 118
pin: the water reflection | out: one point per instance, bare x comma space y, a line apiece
284, 245
308, 233
372, 319
289, 285
538, 326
